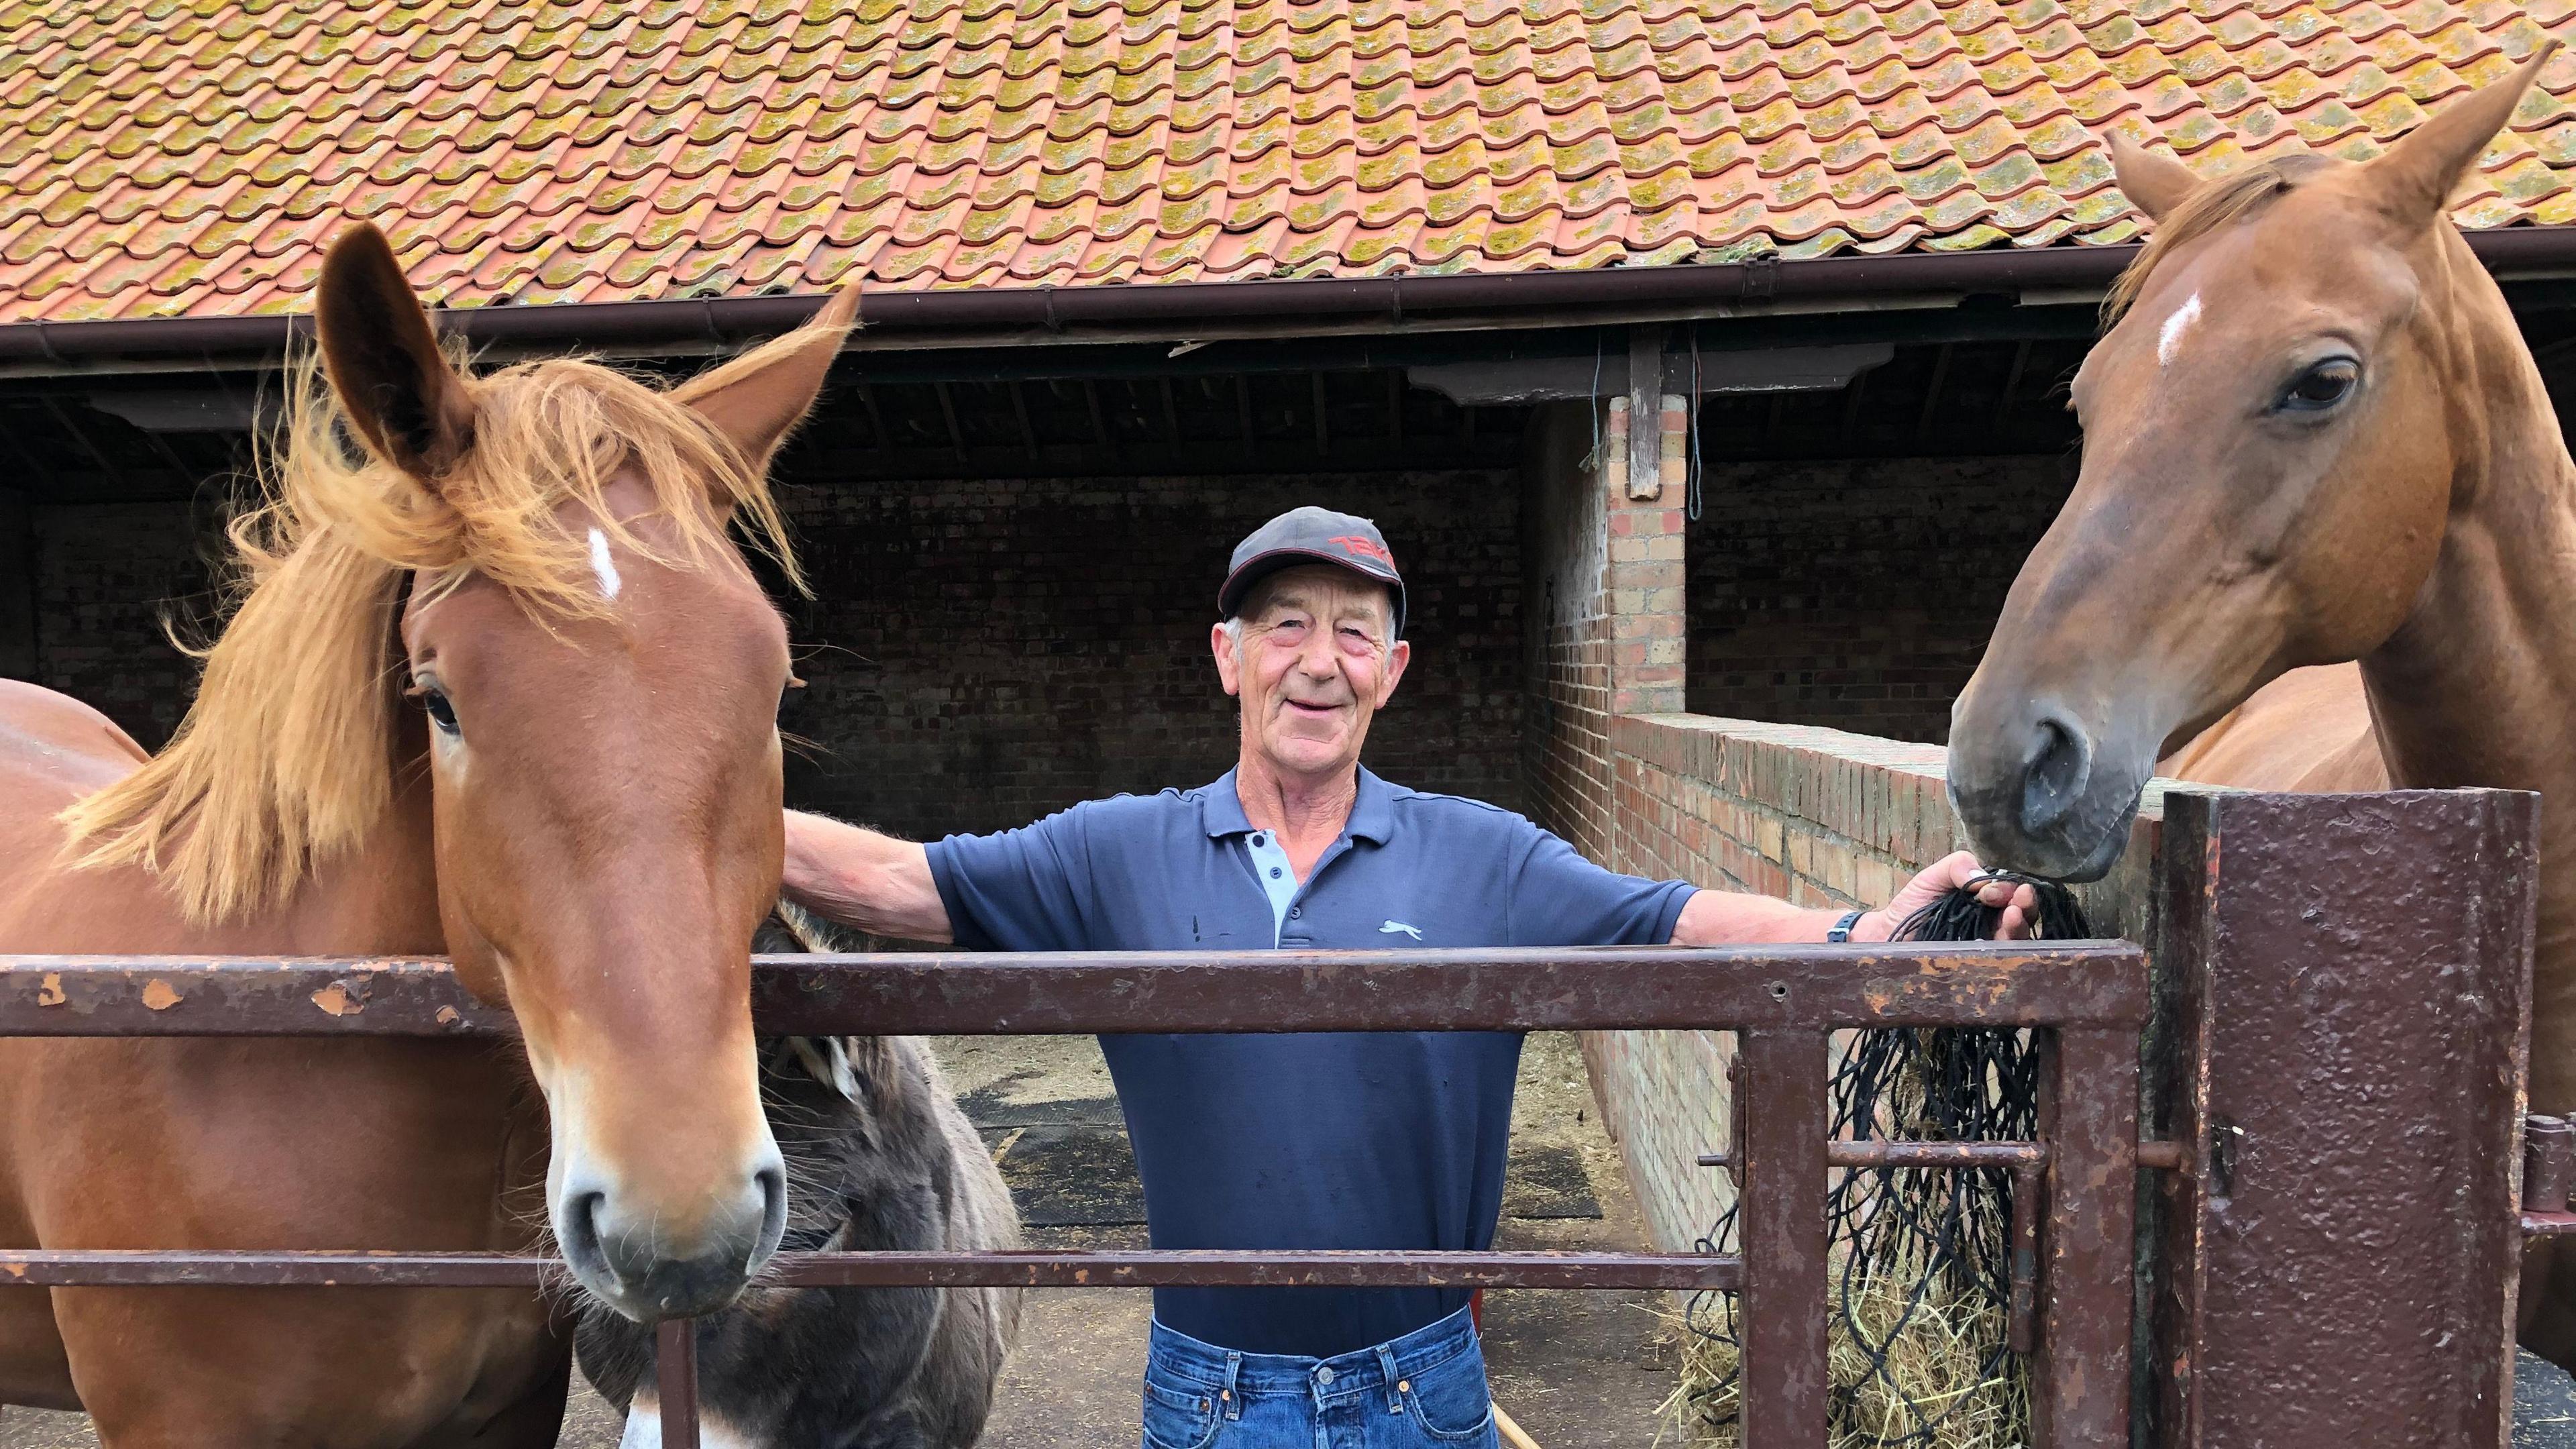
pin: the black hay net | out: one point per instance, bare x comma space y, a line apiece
1910, 1243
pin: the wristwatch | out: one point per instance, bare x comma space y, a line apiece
1843, 928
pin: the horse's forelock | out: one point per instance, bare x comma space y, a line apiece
2239, 194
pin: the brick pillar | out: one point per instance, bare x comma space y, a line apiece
1645, 583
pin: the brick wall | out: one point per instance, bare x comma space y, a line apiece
1604, 576
1857, 593
1565, 753
1817, 815
104, 576
980, 651
984, 651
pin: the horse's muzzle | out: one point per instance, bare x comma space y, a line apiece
2038, 792
634, 1264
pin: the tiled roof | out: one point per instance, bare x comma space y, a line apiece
170, 157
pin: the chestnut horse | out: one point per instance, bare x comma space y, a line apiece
2314, 436
579, 803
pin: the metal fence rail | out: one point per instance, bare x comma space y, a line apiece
2089, 999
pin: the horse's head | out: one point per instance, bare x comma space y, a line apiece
598, 674
2275, 432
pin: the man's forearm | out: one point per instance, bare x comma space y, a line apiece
860, 878
1726, 918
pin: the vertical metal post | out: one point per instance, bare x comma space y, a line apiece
1782, 1215
675, 1373
2088, 1116
2346, 1063
2548, 1163
2021, 1311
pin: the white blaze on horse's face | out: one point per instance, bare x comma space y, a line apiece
603, 567
2168, 338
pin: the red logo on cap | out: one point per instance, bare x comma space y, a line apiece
1366, 548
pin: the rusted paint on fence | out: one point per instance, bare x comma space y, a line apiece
2349, 984
2548, 1163
2021, 1297
1784, 1000
1196, 1268
1934, 1156
675, 1381
1781, 1224
2080, 1389
977, 993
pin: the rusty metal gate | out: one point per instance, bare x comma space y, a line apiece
2087, 1000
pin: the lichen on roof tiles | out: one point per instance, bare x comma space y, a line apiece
159, 160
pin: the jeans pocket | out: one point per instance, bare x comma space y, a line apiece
1450, 1404
1178, 1415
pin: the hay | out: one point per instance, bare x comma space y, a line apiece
1937, 1352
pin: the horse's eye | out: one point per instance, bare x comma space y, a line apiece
441, 713
2322, 386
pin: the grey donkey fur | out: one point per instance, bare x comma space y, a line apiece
878, 1156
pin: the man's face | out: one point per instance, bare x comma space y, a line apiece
1313, 666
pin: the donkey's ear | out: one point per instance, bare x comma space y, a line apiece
384, 362
2417, 176
2154, 184
758, 398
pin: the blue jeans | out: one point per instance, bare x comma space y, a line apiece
1425, 1390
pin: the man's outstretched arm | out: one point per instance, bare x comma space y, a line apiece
1725, 918
860, 878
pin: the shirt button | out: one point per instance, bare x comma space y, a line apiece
1274, 872
1295, 911
1324, 1375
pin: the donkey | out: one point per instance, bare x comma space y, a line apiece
502, 687
878, 1157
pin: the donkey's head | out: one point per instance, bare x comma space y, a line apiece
2275, 433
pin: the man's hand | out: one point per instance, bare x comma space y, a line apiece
2020, 902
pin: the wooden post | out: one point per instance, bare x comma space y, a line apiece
1645, 412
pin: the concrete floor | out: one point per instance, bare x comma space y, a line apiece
1576, 1369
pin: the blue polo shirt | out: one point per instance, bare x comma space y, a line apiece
1315, 1139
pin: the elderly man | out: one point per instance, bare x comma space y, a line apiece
1360, 1140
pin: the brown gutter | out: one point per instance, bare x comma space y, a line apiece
1287, 308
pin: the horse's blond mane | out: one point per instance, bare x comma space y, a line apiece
2238, 194
286, 757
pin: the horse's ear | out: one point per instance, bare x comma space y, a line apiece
2154, 184
384, 362
2415, 179
758, 398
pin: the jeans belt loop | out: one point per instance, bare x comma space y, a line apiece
1233, 1400
1394, 1385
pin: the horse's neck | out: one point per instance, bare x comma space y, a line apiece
381, 898
2478, 687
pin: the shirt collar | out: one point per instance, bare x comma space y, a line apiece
1372, 813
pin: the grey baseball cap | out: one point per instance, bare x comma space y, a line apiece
1311, 535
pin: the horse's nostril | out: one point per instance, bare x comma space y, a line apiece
2060, 761
578, 1232
773, 1212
